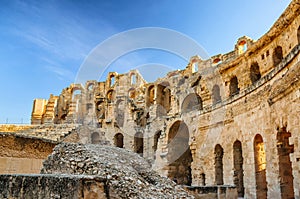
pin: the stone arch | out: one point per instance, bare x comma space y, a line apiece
216, 94
179, 154
131, 93
234, 86
110, 96
150, 94
163, 95
139, 143
217, 61
100, 110
76, 93
238, 171
219, 152
260, 167
284, 150
298, 35
242, 47
95, 137
195, 67
90, 86
112, 80
119, 140
133, 79
191, 102
277, 55
254, 72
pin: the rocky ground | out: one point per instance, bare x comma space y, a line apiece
127, 174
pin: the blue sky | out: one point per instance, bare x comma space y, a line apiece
44, 43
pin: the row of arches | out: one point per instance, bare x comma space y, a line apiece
285, 168
255, 73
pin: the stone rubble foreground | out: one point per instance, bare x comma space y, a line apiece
128, 175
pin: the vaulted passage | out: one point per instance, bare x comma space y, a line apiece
277, 55
260, 168
238, 175
219, 165
216, 94
285, 166
179, 154
119, 140
234, 86
192, 102
139, 143
254, 73
163, 96
150, 95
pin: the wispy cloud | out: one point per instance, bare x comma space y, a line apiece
47, 26
61, 73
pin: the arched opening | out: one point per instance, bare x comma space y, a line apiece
150, 95
156, 138
76, 107
100, 110
238, 172
191, 102
202, 179
217, 61
95, 138
242, 47
219, 165
298, 35
112, 81
195, 67
133, 79
131, 93
234, 86
163, 96
260, 167
110, 96
179, 154
76, 93
254, 72
90, 87
119, 140
284, 150
277, 55
216, 94
139, 143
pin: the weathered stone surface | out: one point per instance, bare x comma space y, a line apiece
232, 119
128, 175
52, 186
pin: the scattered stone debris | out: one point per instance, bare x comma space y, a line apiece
128, 175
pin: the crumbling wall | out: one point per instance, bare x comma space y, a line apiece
22, 154
53, 186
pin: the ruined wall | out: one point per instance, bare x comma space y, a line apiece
22, 154
53, 186
232, 119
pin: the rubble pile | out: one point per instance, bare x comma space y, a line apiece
127, 174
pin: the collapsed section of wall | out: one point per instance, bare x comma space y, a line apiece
128, 175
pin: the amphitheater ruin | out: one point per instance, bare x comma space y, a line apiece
233, 119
